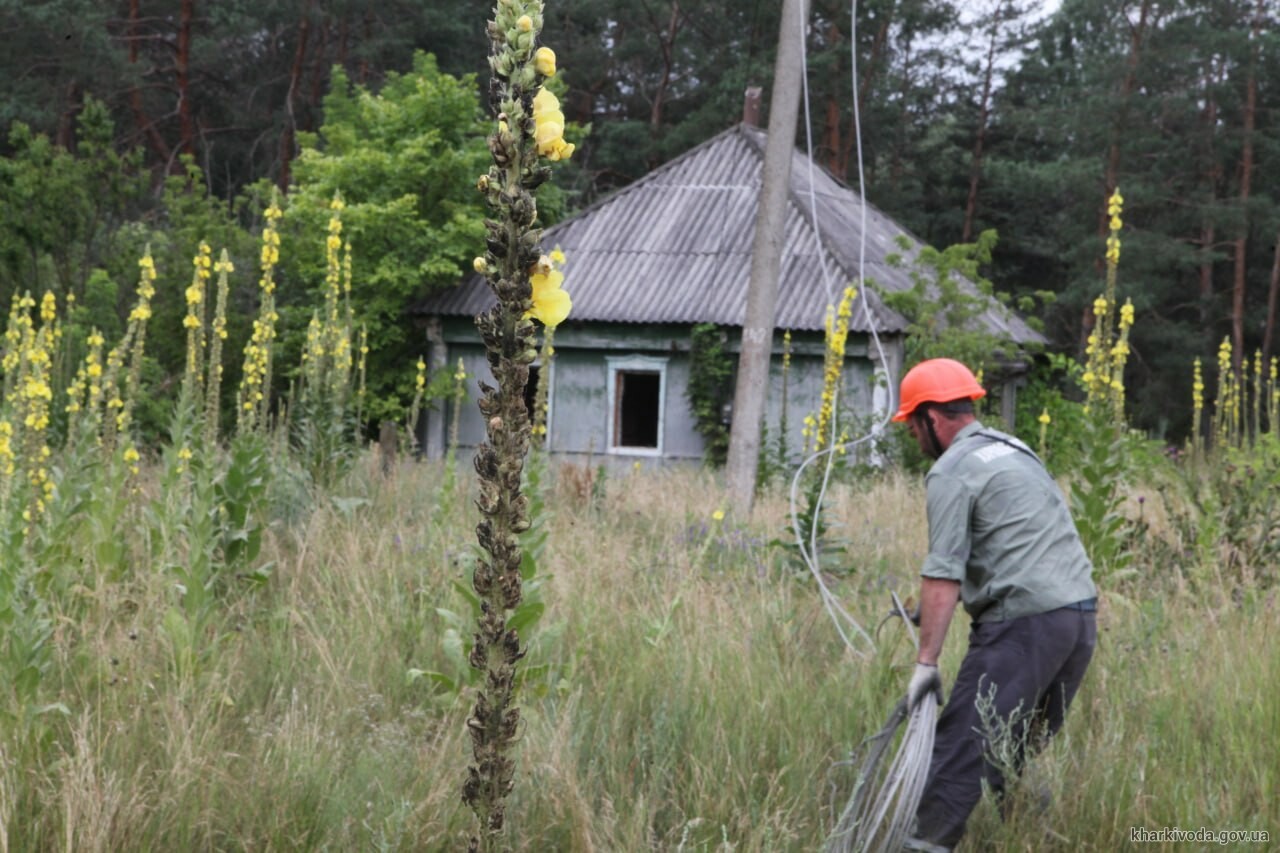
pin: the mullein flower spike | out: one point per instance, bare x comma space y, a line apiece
529, 129
1107, 349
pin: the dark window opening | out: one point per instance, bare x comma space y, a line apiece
636, 409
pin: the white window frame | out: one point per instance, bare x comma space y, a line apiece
635, 364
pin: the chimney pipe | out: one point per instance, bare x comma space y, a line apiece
751, 107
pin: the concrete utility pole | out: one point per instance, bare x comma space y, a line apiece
766, 258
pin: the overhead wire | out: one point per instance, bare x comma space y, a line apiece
880, 812
847, 626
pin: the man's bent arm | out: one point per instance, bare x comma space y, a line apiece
938, 599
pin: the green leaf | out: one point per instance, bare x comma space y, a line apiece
526, 615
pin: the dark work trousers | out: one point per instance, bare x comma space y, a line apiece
1035, 665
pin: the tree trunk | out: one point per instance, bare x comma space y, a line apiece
1137, 33
1209, 231
295, 78
1273, 294
146, 127
984, 114
667, 48
833, 149
182, 76
1238, 285
836, 162
319, 76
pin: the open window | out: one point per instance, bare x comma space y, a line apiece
637, 391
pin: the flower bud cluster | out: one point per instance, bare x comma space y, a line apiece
253, 400
1107, 350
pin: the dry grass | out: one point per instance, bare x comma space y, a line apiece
694, 693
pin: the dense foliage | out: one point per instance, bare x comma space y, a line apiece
973, 117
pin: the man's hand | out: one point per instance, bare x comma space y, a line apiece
924, 680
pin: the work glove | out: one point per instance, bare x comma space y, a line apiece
924, 680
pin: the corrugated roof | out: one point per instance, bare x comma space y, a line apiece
675, 247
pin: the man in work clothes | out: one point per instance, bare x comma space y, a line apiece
1002, 541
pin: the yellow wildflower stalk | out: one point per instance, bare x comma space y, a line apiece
217, 334
1222, 427
112, 394
459, 395
1107, 349
529, 126
837, 334
20, 325
84, 396
541, 394
1273, 397
253, 401
1256, 408
136, 336
362, 366
415, 408
1197, 407
193, 322
35, 398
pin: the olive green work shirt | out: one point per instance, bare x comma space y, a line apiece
999, 524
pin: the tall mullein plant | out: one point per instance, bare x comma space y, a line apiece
1096, 497
529, 126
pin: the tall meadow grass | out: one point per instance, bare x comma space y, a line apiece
688, 691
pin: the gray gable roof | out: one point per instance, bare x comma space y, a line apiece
675, 247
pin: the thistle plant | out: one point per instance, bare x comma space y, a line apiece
527, 286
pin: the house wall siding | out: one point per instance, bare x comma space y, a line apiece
580, 404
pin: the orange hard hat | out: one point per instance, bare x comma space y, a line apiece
937, 380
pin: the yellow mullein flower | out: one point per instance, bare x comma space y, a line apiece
1115, 203
544, 60
551, 304
1126, 314
549, 126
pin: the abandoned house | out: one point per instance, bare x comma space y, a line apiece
673, 250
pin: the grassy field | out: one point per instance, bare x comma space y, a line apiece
686, 690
